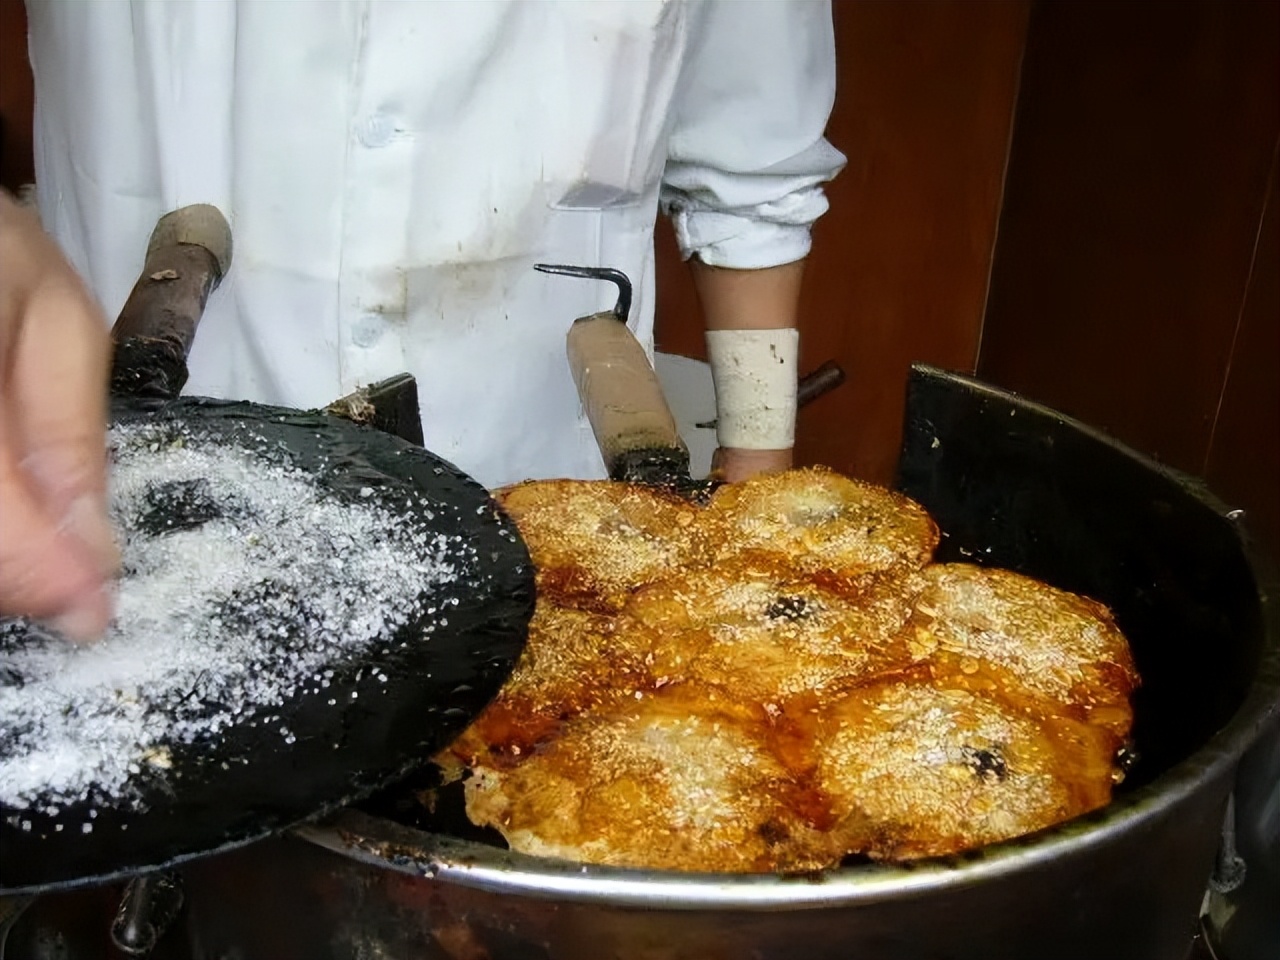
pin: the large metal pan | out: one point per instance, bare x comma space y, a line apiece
360, 731
1013, 484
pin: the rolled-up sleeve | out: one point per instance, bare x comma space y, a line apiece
747, 159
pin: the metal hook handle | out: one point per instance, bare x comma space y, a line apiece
10, 911
622, 308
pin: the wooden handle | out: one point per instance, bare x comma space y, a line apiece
188, 255
620, 391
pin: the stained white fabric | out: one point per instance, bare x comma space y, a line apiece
754, 373
392, 171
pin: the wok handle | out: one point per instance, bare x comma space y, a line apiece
188, 255
819, 382
620, 392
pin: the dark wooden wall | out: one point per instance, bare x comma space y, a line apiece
1133, 285
1243, 459
15, 96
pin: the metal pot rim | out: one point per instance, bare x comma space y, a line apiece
388, 845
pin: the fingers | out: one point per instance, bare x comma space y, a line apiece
58, 387
45, 572
56, 548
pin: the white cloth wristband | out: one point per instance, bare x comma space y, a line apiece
754, 372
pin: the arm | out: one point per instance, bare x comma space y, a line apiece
56, 547
764, 299
743, 186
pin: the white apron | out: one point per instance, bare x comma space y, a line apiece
392, 171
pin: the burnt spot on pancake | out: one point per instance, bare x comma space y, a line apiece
789, 608
987, 763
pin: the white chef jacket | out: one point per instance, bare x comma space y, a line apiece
392, 171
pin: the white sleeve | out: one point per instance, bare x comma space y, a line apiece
747, 158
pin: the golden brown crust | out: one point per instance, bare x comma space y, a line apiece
747, 693
595, 541
917, 771
820, 523
678, 779
1051, 650
574, 661
766, 635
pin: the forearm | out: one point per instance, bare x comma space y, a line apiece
755, 373
743, 185
765, 299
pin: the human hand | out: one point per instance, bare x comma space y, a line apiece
733, 465
57, 552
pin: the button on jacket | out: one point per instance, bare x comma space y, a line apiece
392, 171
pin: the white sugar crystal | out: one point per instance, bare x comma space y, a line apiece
217, 625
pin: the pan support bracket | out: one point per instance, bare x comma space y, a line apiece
10, 910
148, 907
390, 405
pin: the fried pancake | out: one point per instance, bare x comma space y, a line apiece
820, 523
1051, 650
778, 680
594, 542
678, 780
767, 635
916, 771
574, 661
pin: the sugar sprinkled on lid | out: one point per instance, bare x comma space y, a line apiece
244, 584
